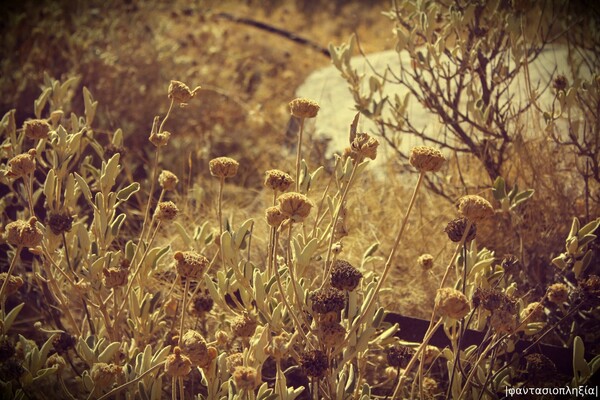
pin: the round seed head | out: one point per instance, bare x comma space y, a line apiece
233, 361
13, 285
60, 222
328, 300
223, 167
167, 180
279, 346
560, 82
104, 374
115, 277
314, 363
503, 321
451, 303
539, 366
24, 234
243, 326
57, 362
425, 261
431, 389
194, 347
456, 228
245, 378
475, 208
533, 312
178, 364
274, 216
331, 333
294, 206
304, 108
363, 146
190, 265
344, 276
36, 129
558, 293
426, 159
21, 165
166, 211
278, 180
160, 139
201, 304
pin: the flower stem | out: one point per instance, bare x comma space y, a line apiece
183, 309
299, 154
13, 263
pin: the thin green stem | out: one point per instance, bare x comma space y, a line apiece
183, 309
220, 219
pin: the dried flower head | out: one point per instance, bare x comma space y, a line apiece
190, 265
244, 326
425, 261
60, 222
295, 206
538, 366
456, 228
590, 289
279, 346
314, 363
104, 374
233, 361
166, 211
57, 362
344, 276
194, 347
303, 108
475, 208
14, 283
533, 312
558, 293
274, 216
451, 303
331, 333
180, 93
560, 82
426, 159
245, 378
278, 180
503, 321
363, 146
399, 355
223, 167
36, 129
327, 300
431, 389
167, 180
178, 364
492, 299
511, 264
24, 234
160, 139
201, 304
21, 165
115, 277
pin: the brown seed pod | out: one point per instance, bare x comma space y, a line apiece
475, 208
25, 234
194, 347
36, 129
344, 276
178, 364
425, 261
223, 167
166, 211
115, 277
60, 222
558, 293
533, 312
167, 180
328, 300
190, 265
245, 378
21, 165
278, 180
304, 108
456, 228
363, 146
104, 374
294, 206
180, 93
503, 321
314, 363
451, 303
274, 216
426, 159
13, 285
160, 139
244, 326
331, 333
